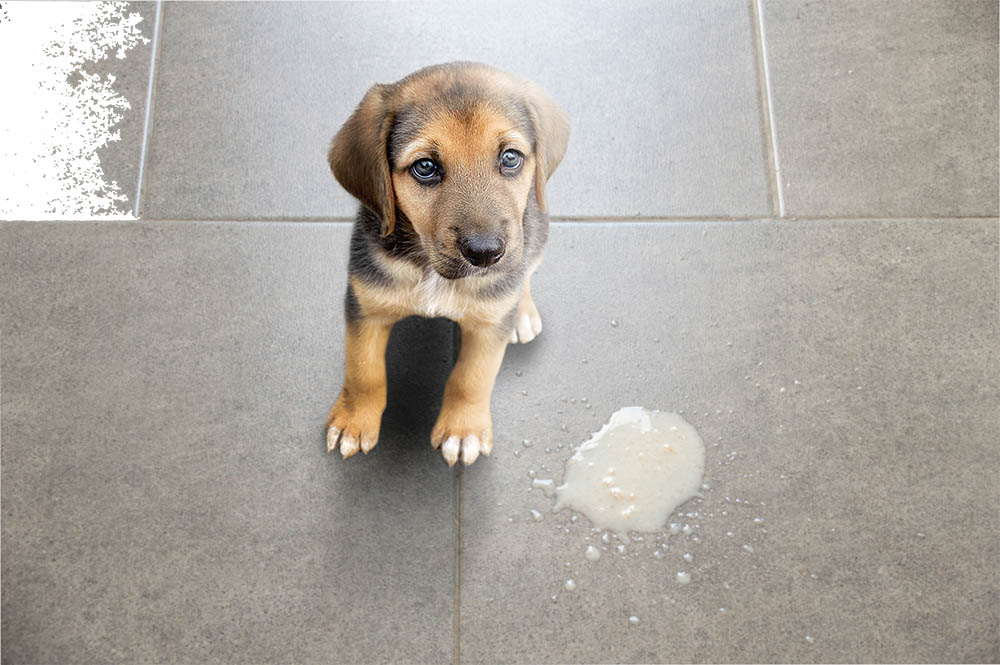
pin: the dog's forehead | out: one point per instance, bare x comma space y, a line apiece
458, 111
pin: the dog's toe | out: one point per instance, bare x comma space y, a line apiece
470, 449
348, 445
450, 449
332, 439
529, 323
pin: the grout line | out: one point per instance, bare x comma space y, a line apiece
457, 620
149, 107
767, 101
555, 220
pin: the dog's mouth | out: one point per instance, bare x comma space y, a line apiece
450, 268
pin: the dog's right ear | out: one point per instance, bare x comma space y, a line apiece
359, 159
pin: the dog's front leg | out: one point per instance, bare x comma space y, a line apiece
356, 416
464, 427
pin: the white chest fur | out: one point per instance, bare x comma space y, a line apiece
436, 296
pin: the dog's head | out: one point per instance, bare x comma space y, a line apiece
459, 149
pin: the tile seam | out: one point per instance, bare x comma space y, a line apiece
146, 130
457, 620
767, 101
555, 220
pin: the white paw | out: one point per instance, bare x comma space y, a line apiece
529, 325
468, 449
349, 444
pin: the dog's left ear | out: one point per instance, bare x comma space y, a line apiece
358, 156
551, 135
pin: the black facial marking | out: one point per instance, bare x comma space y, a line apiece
352, 308
367, 241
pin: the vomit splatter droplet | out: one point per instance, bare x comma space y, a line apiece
570, 585
683, 577
592, 553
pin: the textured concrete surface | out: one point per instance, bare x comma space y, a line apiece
844, 378
164, 491
664, 100
885, 109
167, 496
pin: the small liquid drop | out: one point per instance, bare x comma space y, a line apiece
570, 585
810, 639
592, 553
747, 548
535, 515
633, 620
518, 373
614, 323
683, 577
687, 556
546, 485
527, 443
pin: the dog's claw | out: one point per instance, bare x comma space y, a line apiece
348, 446
470, 449
367, 443
529, 323
332, 436
450, 449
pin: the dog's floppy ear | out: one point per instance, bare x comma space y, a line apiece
551, 135
358, 156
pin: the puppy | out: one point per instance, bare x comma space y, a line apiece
450, 165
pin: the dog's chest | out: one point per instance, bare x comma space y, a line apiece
434, 295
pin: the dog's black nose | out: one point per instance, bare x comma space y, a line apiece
483, 250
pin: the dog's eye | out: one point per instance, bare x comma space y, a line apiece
424, 169
511, 159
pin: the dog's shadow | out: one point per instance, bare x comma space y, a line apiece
419, 358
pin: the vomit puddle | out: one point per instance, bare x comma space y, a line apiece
634, 472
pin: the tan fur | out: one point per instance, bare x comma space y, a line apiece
469, 145
466, 408
469, 114
357, 414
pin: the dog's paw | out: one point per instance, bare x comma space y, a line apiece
463, 434
528, 324
353, 429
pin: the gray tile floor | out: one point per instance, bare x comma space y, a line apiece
812, 280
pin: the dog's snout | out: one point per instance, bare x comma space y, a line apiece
483, 250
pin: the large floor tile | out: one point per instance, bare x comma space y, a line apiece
844, 378
663, 100
885, 108
166, 492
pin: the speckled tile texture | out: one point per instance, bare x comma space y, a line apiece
885, 109
663, 100
844, 379
167, 496
775, 217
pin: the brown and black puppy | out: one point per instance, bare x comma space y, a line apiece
450, 165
